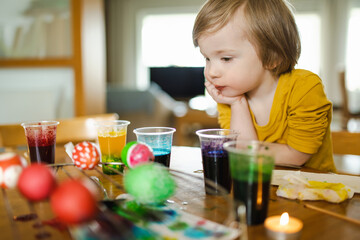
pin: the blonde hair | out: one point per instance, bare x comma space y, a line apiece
271, 29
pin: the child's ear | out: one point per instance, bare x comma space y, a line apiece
273, 67
273, 64
272, 61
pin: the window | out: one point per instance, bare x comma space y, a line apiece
353, 51
167, 41
309, 30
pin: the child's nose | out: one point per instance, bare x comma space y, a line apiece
212, 71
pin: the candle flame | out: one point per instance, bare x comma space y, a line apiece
284, 219
259, 198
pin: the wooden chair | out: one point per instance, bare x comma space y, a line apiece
12, 135
69, 130
346, 114
345, 142
81, 128
346, 149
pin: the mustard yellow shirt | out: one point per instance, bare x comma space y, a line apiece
300, 117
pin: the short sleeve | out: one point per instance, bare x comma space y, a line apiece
224, 116
309, 114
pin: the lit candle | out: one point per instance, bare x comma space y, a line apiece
283, 227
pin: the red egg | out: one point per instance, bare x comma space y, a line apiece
85, 155
36, 182
73, 203
11, 165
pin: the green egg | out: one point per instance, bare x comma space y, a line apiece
149, 183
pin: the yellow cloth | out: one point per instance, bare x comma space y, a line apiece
300, 117
298, 187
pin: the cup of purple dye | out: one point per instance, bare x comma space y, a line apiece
215, 159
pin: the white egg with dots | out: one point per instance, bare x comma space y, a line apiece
85, 155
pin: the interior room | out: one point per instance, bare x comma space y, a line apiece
74, 63
102, 60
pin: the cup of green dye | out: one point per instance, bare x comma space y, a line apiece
251, 166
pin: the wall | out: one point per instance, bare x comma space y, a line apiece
32, 94
72, 81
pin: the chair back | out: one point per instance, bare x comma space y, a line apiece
345, 142
81, 128
74, 130
12, 135
346, 113
344, 94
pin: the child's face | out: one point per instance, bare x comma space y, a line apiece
232, 63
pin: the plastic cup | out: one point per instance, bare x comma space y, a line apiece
159, 139
112, 139
251, 166
41, 139
215, 159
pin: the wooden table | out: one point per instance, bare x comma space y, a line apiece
187, 159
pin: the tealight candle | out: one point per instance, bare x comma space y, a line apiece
283, 227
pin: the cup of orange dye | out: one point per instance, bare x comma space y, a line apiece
112, 139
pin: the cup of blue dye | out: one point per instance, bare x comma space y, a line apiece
159, 139
215, 159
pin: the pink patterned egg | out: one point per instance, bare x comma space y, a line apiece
11, 165
85, 155
135, 153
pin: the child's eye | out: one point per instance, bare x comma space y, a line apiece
226, 59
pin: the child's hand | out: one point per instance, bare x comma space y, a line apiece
217, 95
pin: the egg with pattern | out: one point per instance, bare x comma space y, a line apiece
85, 155
135, 153
11, 166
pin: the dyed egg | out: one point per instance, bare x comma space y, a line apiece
73, 203
36, 182
149, 183
11, 165
135, 153
85, 155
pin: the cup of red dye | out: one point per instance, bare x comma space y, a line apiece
41, 139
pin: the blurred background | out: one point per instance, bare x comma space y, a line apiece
66, 58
